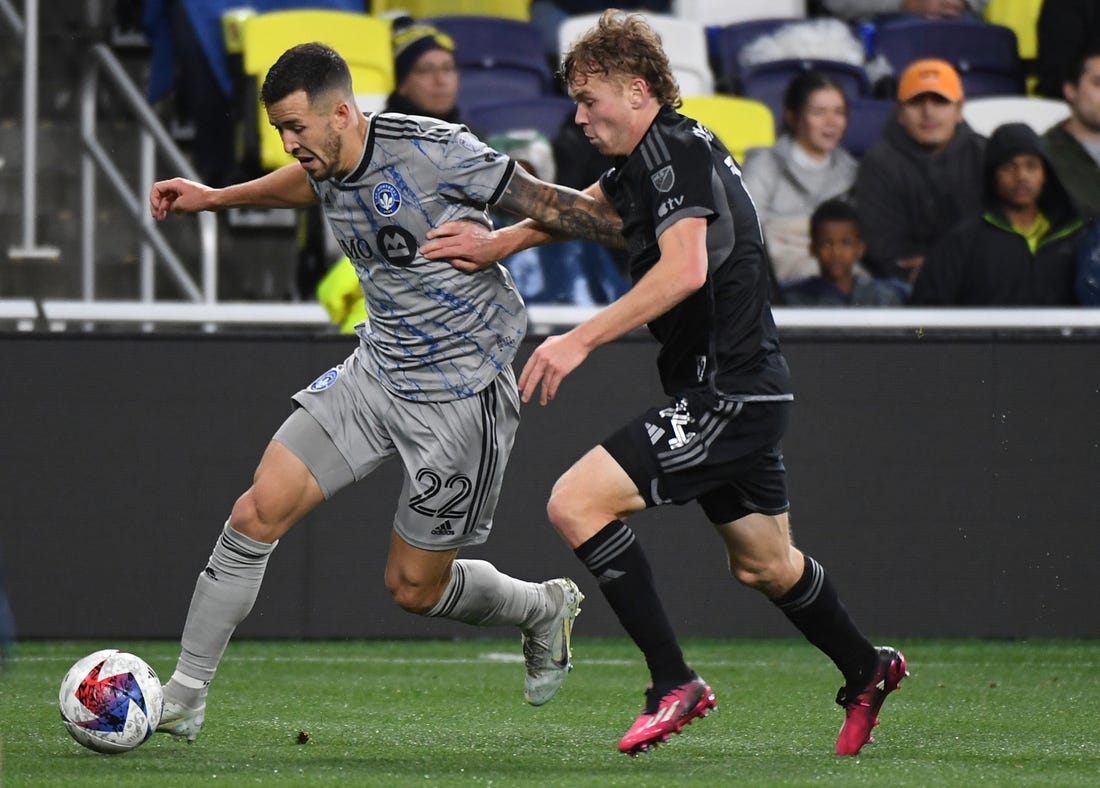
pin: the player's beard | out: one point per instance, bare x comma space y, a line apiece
329, 156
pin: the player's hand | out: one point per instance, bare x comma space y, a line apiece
178, 195
549, 364
468, 246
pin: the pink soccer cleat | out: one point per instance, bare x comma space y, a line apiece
861, 709
667, 714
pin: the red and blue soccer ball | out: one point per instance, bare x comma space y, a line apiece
111, 701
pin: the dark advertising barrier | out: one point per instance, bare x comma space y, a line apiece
947, 483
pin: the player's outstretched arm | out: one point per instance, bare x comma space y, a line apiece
557, 212
286, 187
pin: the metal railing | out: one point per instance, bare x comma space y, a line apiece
59, 314
28, 28
153, 139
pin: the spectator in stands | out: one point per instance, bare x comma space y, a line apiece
837, 245
853, 10
805, 167
1066, 29
188, 58
1021, 250
342, 297
922, 176
1073, 146
425, 72
1087, 284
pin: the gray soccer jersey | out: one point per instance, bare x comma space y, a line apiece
433, 333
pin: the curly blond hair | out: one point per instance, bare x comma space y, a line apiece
622, 46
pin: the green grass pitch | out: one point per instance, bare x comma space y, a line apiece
435, 713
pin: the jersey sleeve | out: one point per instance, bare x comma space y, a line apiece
473, 172
678, 178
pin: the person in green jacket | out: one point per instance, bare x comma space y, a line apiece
1021, 250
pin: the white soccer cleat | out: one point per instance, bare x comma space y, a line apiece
547, 649
180, 721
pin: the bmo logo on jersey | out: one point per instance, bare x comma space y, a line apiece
397, 245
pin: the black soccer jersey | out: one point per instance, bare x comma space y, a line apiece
723, 336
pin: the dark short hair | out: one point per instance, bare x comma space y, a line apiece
314, 68
1077, 65
834, 210
801, 87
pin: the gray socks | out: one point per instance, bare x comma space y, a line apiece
478, 594
224, 595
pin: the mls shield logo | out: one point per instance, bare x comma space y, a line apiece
664, 179
386, 199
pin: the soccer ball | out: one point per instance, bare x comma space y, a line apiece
111, 701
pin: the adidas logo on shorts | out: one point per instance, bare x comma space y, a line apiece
443, 529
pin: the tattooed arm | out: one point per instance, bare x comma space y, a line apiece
555, 213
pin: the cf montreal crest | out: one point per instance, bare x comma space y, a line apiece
386, 199
325, 380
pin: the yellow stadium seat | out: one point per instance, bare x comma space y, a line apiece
362, 40
1023, 17
740, 123
423, 9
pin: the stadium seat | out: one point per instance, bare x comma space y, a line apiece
726, 42
986, 113
422, 9
984, 54
498, 59
546, 114
1023, 17
362, 40
684, 41
740, 123
726, 12
767, 82
866, 119
481, 86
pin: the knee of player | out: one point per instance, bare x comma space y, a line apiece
764, 576
247, 518
410, 597
562, 509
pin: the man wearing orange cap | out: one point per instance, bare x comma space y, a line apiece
924, 173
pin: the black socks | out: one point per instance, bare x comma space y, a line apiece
620, 566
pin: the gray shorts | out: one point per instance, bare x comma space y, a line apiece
454, 453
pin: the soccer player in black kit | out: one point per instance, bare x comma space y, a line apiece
700, 283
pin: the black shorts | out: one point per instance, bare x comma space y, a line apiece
725, 455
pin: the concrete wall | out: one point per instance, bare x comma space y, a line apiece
946, 483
